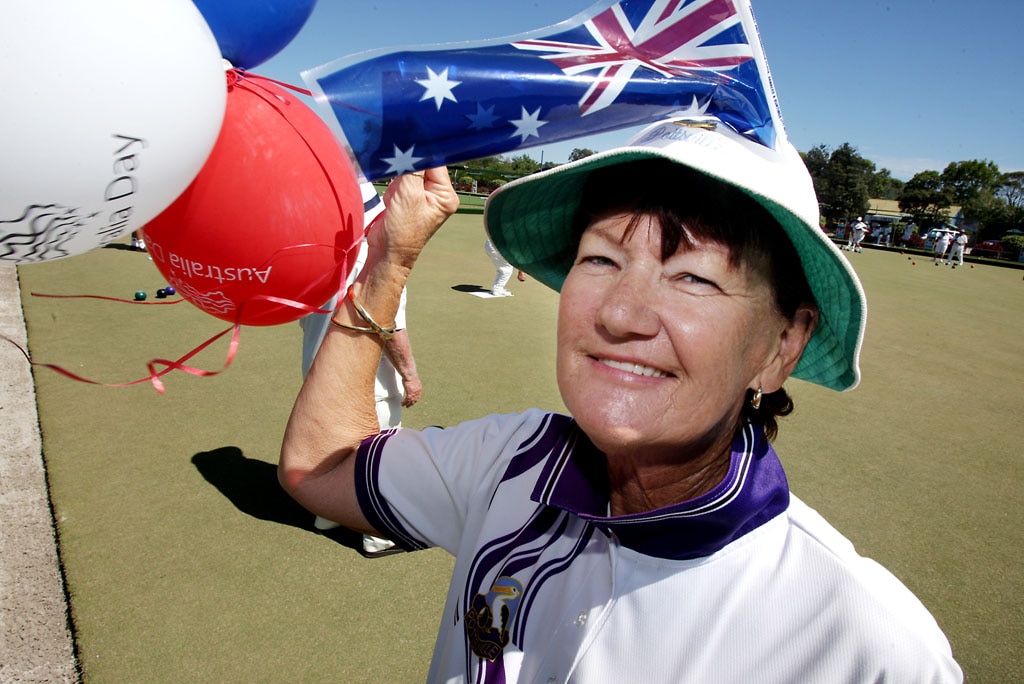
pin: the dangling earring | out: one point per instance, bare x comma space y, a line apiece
755, 401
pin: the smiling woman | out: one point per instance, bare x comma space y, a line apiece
687, 322
670, 317
697, 214
608, 544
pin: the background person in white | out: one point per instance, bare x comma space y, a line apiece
397, 382
502, 271
650, 535
941, 243
860, 229
956, 249
908, 231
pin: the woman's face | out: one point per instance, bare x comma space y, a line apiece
655, 357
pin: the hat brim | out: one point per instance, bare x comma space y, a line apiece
530, 222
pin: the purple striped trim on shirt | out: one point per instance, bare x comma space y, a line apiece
374, 506
754, 491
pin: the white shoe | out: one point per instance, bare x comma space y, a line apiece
324, 524
375, 547
501, 293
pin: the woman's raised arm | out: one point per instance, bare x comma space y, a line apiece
334, 410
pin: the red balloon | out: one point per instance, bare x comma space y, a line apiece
274, 212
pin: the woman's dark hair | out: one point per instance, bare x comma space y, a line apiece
689, 207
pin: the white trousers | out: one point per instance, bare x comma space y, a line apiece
503, 268
957, 252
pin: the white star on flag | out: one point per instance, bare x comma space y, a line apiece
527, 126
438, 87
402, 162
695, 108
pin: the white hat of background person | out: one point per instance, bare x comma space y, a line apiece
530, 221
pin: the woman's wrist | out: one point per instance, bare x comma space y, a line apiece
385, 332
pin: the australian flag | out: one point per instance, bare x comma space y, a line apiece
616, 65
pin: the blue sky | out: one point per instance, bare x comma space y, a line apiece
912, 84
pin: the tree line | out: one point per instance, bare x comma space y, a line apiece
489, 173
988, 198
845, 182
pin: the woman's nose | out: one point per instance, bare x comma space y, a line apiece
627, 308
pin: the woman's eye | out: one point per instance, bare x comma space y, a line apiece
697, 281
597, 260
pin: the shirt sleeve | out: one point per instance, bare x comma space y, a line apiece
424, 488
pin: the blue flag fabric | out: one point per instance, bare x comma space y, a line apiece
616, 65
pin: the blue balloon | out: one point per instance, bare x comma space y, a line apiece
249, 32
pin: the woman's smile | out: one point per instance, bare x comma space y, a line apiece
634, 368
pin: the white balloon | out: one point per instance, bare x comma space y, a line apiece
108, 109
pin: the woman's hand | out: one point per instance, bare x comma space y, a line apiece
413, 387
417, 204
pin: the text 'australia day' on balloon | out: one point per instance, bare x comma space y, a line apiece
121, 189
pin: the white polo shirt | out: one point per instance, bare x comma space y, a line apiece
742, 584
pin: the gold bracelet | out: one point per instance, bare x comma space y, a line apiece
353, 328
386, 333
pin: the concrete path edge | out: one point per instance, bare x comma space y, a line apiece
35, 635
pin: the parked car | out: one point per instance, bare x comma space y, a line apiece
988, 248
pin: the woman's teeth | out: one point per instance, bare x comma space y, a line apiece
635, 368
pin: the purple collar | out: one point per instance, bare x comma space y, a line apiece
753, 492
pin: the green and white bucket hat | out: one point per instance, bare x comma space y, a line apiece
530, 222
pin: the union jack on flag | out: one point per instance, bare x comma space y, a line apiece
615, 66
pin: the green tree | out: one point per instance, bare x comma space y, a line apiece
883, 186
522, 165
966, 180
925, 198
498, 170
816, 161
492, 162
1011, 189
1013, 243
973, 185
580, 153
1011, 193
841, 180
991, 214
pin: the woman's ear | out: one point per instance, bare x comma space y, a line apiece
792, 340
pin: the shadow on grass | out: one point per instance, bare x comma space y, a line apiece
469, 288
253, 488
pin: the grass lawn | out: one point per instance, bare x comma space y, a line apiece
186, 565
